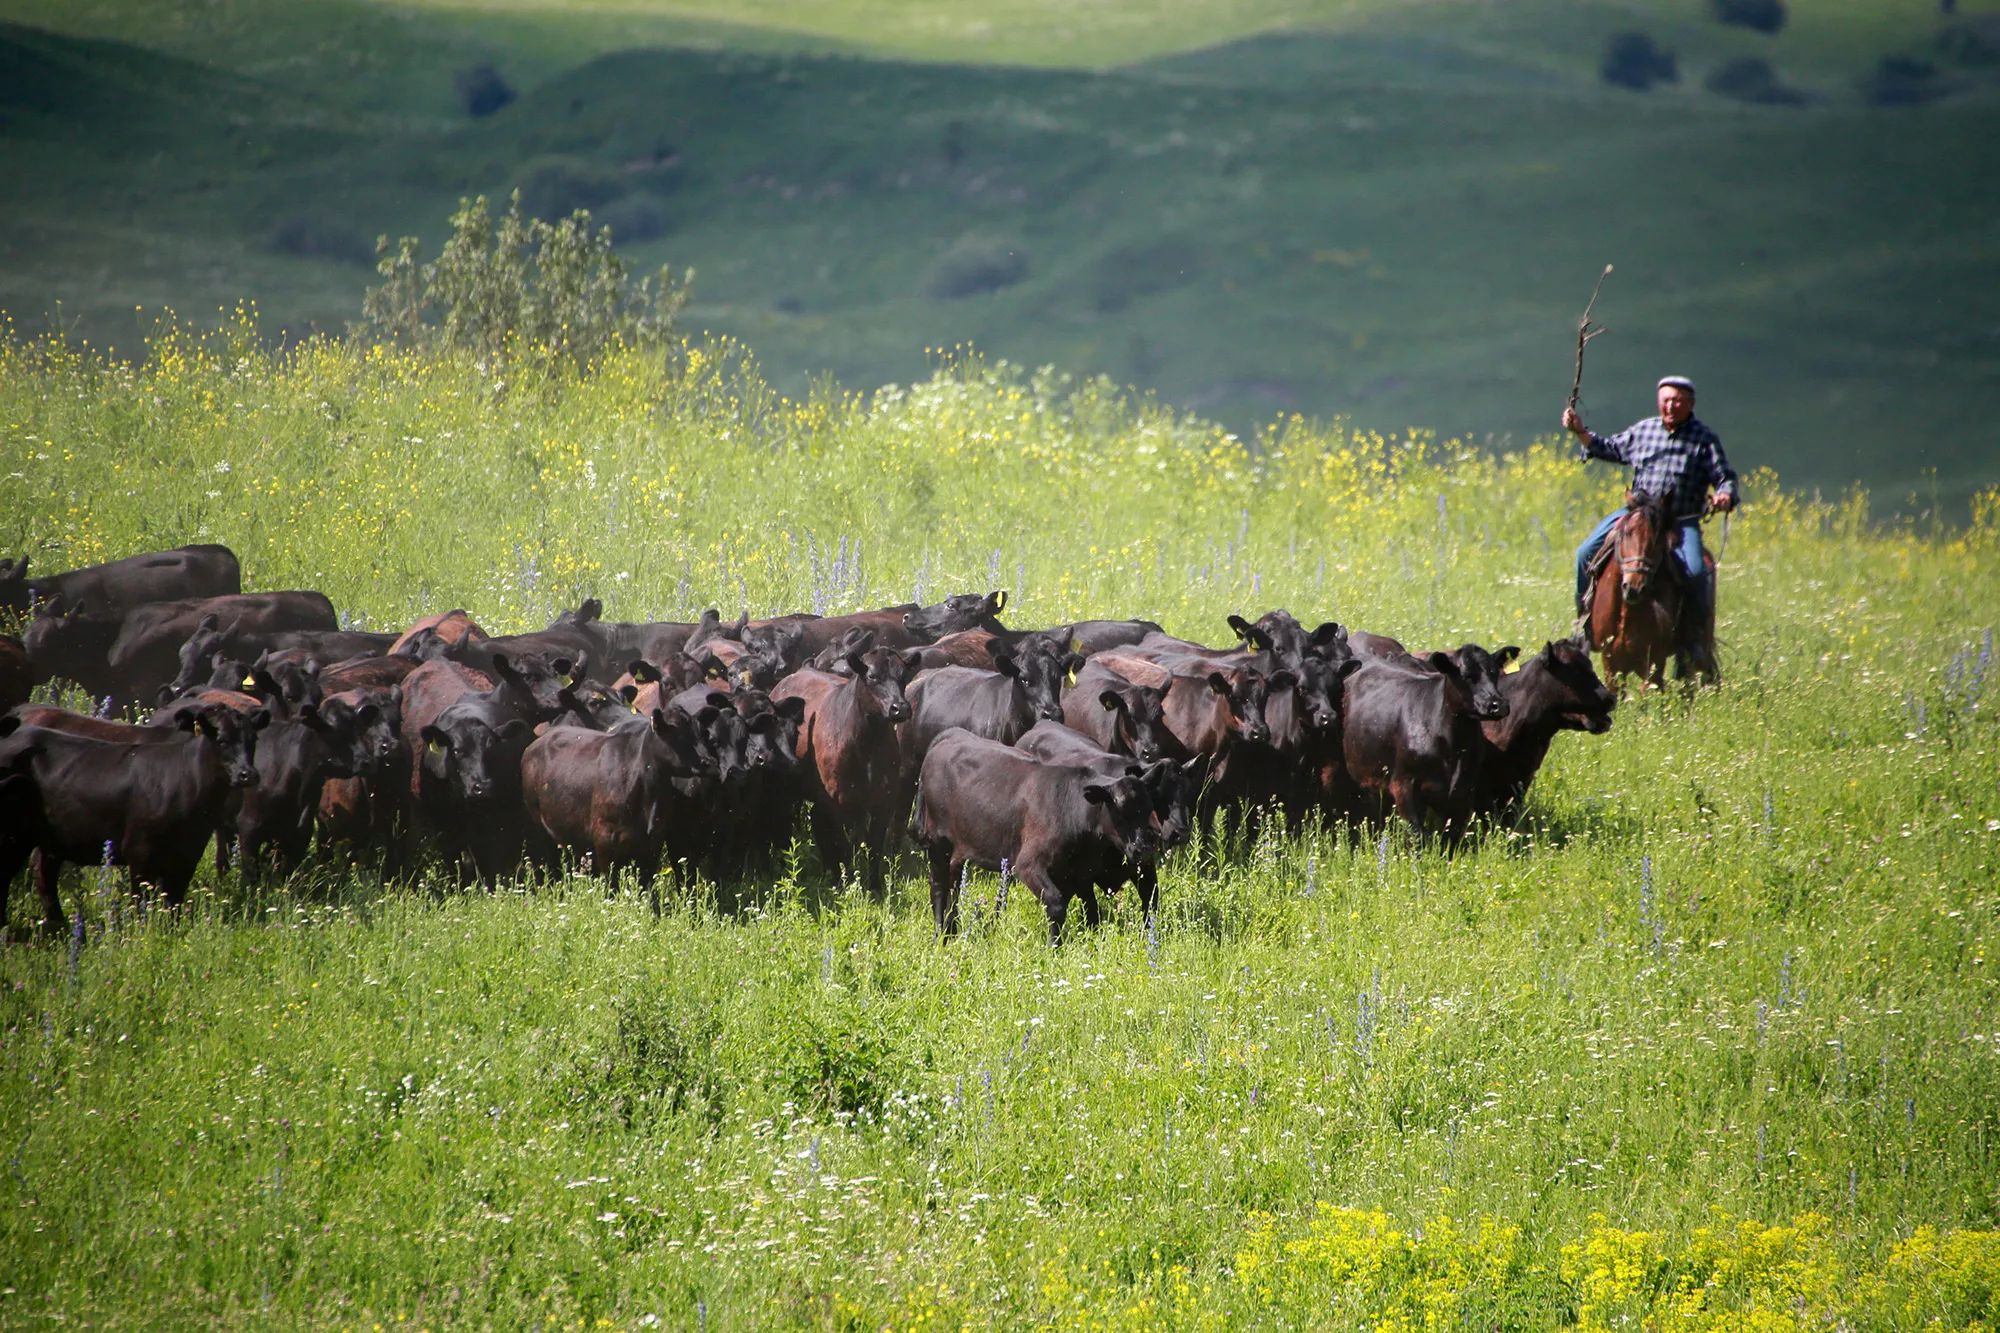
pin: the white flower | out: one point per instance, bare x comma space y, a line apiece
222, 468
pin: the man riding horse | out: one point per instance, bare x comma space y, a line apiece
1676, 459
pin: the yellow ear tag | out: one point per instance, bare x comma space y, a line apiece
248, 681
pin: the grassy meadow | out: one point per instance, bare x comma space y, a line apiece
1385, 210
1709, 1042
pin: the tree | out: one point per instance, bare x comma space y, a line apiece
1633, 60
1758, 15
521, 287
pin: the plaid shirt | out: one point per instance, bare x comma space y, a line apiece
1679, 465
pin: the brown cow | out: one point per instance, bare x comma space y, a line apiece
853, 762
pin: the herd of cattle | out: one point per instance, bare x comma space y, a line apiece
1071, 757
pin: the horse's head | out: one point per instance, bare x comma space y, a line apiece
1642, 543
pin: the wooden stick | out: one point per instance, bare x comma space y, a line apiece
1585, 331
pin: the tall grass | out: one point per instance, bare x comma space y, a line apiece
1709, 1041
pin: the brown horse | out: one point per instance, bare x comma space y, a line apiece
1636, 601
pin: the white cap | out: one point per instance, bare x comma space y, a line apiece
1675, 382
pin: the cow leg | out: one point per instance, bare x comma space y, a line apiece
1091, 916
48, 870
1054, 900
1409, 802
831, 839
1146, 879
944, 889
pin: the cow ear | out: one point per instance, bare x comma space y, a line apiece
1283, 680
1111, 701
1097, 794
165, 694
718, 699
591, 609
643, 671
1348, 668
1218, 683
706, 715
436, 737
1507, 654
563, 666
1327, 635
1442, 664
259, 719
1071, 664
628, 693
504, 667
186, 720
998, 599
1549, 653
1005, 664
793, 708
9, 724
856, 664
913, 661
1241, 626
309, 715
207, 624
368, 714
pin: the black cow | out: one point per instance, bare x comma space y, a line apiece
1174, 787
128, 655
1062, 830
1000, 704
1120, 716
609, 794
213, 638
119, 585
149, 807
1411, 740
17, 679
1555, 690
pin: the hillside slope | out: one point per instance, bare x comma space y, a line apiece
1394, 219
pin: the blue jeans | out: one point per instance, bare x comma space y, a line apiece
1687, 553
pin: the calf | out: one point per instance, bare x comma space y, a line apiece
1119, 716
296, 757
1062, 830
1411, 739
17, 681
1000, 704
439, 635
609, 794
148, 806
212, 639
1555, 690
848, 743
129, 655
118, 585
359, 810
1174, 787
465, 742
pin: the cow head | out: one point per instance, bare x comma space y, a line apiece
1126, 811
1038, 674
1174, 786
1245, 694
531, 684
1140, 726
879, 677
962, 611
1320, 689
1480, 672
64, 639
588, 704
233, 734
1562, 675
371, 722
14, 594
772, 742
837, 657
780, 644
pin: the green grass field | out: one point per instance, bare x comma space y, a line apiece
1367, 212
1708, 1043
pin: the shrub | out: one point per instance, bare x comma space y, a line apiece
524, 286
1134, 272
636, 217
481, 90
1633, 60
839, 1065
556, 187
1760, 15
1970, 44
1901, 81
1751, 79
975, 265
661, 1061
320, 238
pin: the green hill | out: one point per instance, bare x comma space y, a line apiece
1391, 213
